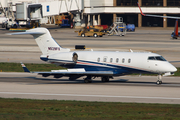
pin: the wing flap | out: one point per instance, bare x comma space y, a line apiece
78, 73
69, 72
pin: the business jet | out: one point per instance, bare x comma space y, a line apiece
104, 64
174, 34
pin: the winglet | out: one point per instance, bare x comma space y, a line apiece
24, 67
140, 10
176, 29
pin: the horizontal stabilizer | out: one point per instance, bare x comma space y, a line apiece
27, 33
44, 40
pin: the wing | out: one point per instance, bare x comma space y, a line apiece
95, 73
174, 61
70, 72
172, 17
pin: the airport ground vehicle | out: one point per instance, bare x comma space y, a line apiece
89, 32
9, 23
101, 28
62, 21
65, 23
130, 27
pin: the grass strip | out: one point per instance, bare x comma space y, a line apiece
28, 109
16, 67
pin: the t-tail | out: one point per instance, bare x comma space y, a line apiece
44, 40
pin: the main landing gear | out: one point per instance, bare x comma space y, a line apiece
88, 79
105, 79
159, 81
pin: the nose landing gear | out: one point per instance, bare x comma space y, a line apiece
159, 81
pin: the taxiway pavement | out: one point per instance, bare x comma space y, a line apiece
23, 48
121, 89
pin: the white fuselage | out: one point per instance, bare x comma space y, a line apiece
132, 62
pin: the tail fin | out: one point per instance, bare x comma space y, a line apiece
140, 9
24, 67
176, 30
44, 40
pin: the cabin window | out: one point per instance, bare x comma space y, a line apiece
117, 60
111, 60
129, 60
123, 60
98, 59
104, 59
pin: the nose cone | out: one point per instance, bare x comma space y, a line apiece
168, 67
173, 69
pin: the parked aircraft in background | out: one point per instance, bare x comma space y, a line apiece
104, 64
174, 34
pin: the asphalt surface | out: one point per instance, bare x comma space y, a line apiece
120, 89
23, 48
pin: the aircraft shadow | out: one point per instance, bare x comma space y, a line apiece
97, 82
35, 80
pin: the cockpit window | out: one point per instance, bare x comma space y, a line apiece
159, 58
151, 58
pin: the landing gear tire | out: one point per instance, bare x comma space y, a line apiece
159, 82
87, 81
105, 79
174, 37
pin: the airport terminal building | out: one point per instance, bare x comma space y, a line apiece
108, 10
104, 12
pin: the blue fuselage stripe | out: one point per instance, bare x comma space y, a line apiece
97, 66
